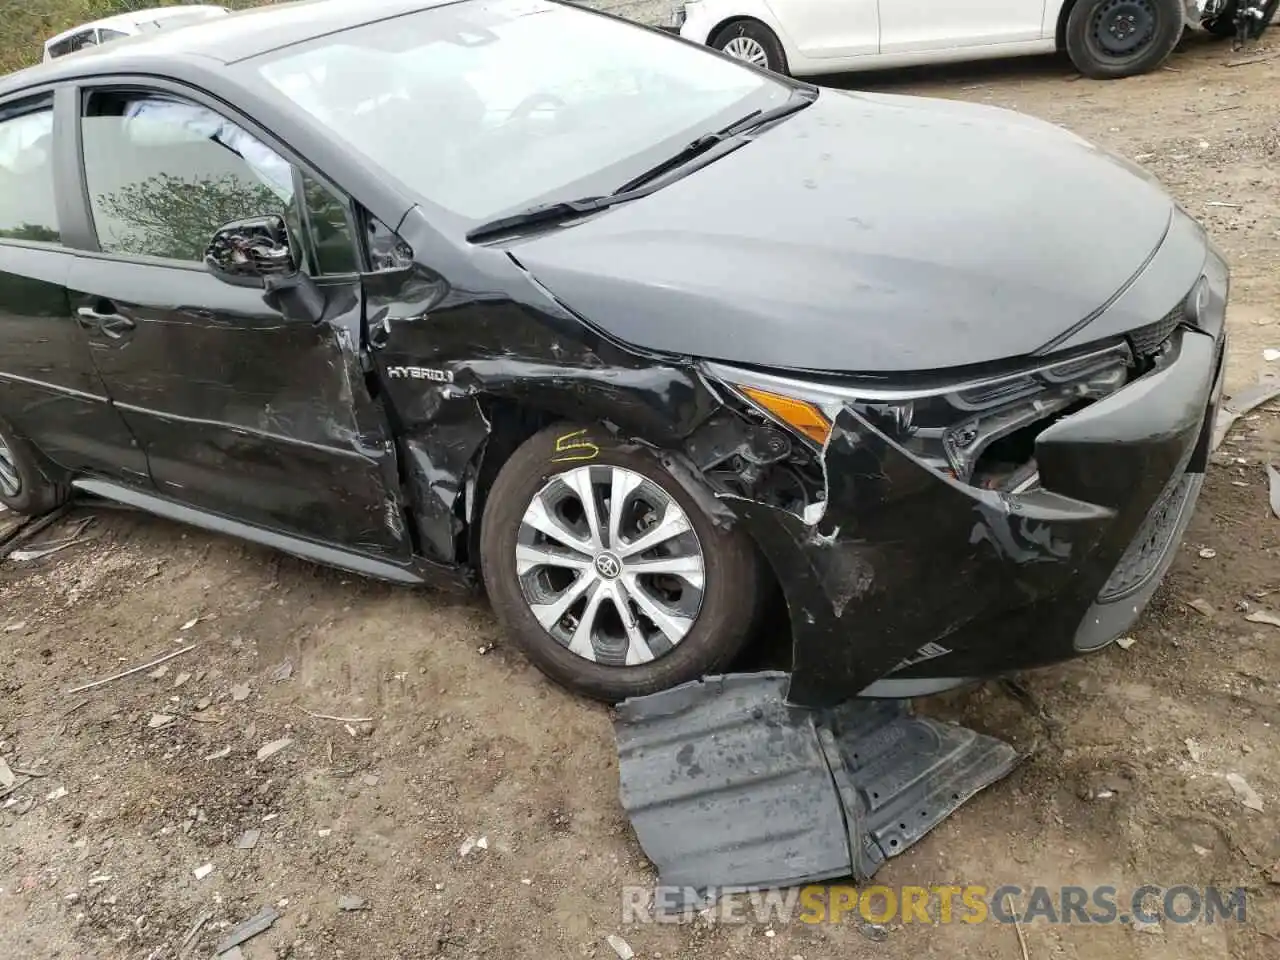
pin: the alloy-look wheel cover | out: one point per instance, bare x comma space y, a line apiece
10, 482
610, 565
748, 49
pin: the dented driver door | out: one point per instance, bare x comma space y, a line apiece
242, 411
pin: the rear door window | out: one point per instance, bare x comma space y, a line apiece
27, 208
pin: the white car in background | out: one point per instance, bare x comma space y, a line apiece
128, 25
1104, 38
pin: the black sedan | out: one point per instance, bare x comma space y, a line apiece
636, 334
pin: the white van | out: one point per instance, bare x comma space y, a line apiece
128, 25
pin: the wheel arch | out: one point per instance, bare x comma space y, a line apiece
755, 12
1060, 31
511, 424
54, 477
729, 21
510, 421
513, 421
54, 471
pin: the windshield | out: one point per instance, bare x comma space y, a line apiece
488, 107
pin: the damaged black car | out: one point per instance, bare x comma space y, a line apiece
635, 334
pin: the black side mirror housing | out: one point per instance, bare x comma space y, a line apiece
245, 253
297, 297
256, 253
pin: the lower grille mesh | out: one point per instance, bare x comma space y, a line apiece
1153, 542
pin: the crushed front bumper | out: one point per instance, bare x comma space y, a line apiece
911, 583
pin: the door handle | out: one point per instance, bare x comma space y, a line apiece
116, 327
112, 324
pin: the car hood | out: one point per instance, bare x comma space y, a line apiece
869, 233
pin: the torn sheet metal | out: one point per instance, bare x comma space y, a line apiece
437, 456
728, 786
454, 365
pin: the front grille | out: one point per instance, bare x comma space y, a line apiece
1149, 339
1146, 341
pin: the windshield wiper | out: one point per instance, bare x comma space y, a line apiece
545, 213
756, 118
644, 184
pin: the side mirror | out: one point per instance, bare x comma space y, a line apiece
246, 253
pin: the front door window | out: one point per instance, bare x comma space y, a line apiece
163, 175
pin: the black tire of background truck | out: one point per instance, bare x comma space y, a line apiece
1086, 23
36, 492
731, 604
754, 30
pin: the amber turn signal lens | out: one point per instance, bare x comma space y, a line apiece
797, 414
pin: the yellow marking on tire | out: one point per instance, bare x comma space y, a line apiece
575, 447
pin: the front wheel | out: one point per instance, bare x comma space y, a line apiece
606, 570
24, 488
1108, 39
753, 42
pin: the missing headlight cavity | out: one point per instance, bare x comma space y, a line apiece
954, 427
747, 456
984, 434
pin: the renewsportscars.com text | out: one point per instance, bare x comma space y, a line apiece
969, 904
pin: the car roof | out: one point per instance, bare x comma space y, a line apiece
240, 35
133, 18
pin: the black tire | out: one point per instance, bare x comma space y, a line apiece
729, 604
1224, 24
1148, 30
36, 493
753, 31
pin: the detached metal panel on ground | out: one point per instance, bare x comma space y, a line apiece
728, 785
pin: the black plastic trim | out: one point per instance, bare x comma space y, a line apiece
307, 550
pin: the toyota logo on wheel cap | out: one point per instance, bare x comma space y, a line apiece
608, 566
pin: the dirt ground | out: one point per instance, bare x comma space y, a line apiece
465, 740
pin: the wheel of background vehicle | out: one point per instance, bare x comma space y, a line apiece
1224, 24
23, 487
752, 41
1107, 39
608, 573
